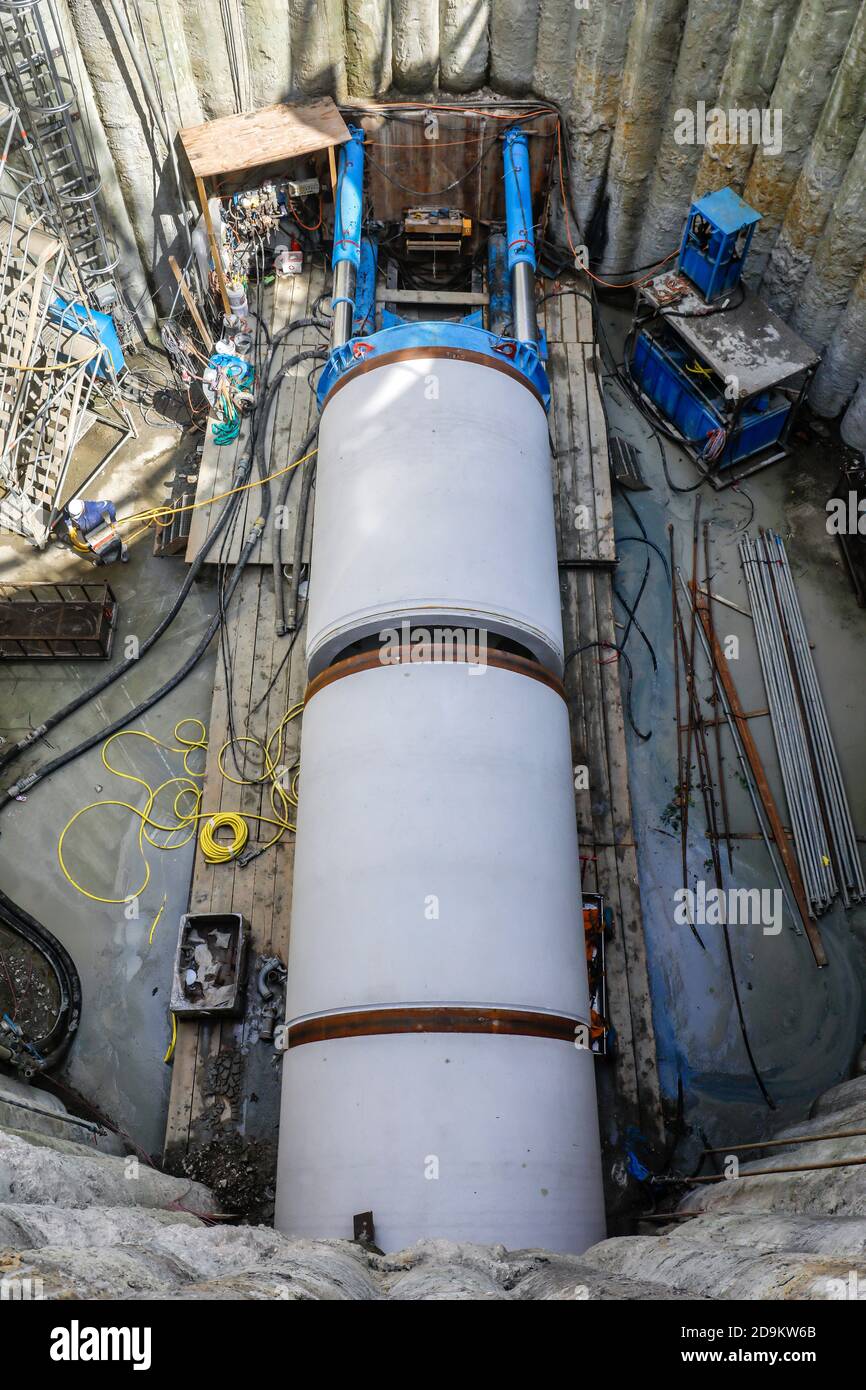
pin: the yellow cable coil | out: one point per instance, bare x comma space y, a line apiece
217, 851
187, 809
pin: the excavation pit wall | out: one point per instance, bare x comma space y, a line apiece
622, 75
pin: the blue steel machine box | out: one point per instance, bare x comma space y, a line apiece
715, 362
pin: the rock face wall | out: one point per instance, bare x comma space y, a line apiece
783, 1235
80, 1219
90, 1224
620, 71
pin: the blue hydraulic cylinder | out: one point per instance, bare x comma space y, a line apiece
348, 218
519, 234
518, 199
350, 198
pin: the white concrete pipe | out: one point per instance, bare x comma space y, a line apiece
436, 969
434, 504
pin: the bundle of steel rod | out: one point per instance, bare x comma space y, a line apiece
824, 836
696, 736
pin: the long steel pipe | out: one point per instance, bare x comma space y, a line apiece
745, 769
788, 730
843, 825
824, 835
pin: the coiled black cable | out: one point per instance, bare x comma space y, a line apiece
54, 1045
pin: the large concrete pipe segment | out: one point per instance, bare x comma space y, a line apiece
347, 235
436, 983
433, 494
436, 1072
521, 238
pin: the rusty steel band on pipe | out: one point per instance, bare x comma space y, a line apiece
387, 359
450, 1018
372, 660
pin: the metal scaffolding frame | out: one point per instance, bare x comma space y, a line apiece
37, 75
54, 371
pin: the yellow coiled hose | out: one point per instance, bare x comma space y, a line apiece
187, 809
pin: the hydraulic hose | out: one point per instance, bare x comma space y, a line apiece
40, 939
306, 355
37, 734
41, 773
47, 769
310, 322
38, 936
16, 918
284, 624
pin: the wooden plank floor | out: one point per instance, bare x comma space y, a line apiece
587, 555
224, 1079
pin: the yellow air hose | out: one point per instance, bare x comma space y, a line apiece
154, 516
187, 809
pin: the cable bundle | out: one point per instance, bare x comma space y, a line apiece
230, 379
715, 444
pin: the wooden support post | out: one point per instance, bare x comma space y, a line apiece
214, 245
332, 165
191, 305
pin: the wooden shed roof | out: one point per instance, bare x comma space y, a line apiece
231, 144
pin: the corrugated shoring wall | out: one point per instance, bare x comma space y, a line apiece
620, 70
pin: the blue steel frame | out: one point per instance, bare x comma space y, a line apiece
524, 357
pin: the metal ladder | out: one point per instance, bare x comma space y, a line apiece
37, 74
49, 388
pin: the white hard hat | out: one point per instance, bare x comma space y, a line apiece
76, 507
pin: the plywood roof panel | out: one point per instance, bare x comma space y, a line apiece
254, 139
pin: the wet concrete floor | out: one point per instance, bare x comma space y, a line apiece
805, 1025
117, 1059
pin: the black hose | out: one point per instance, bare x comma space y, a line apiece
282, 623
623, 656
631, 610
128, 716
36, 735
15, 917
300, 532
313, 321
270, 397
39, 938
305, 355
